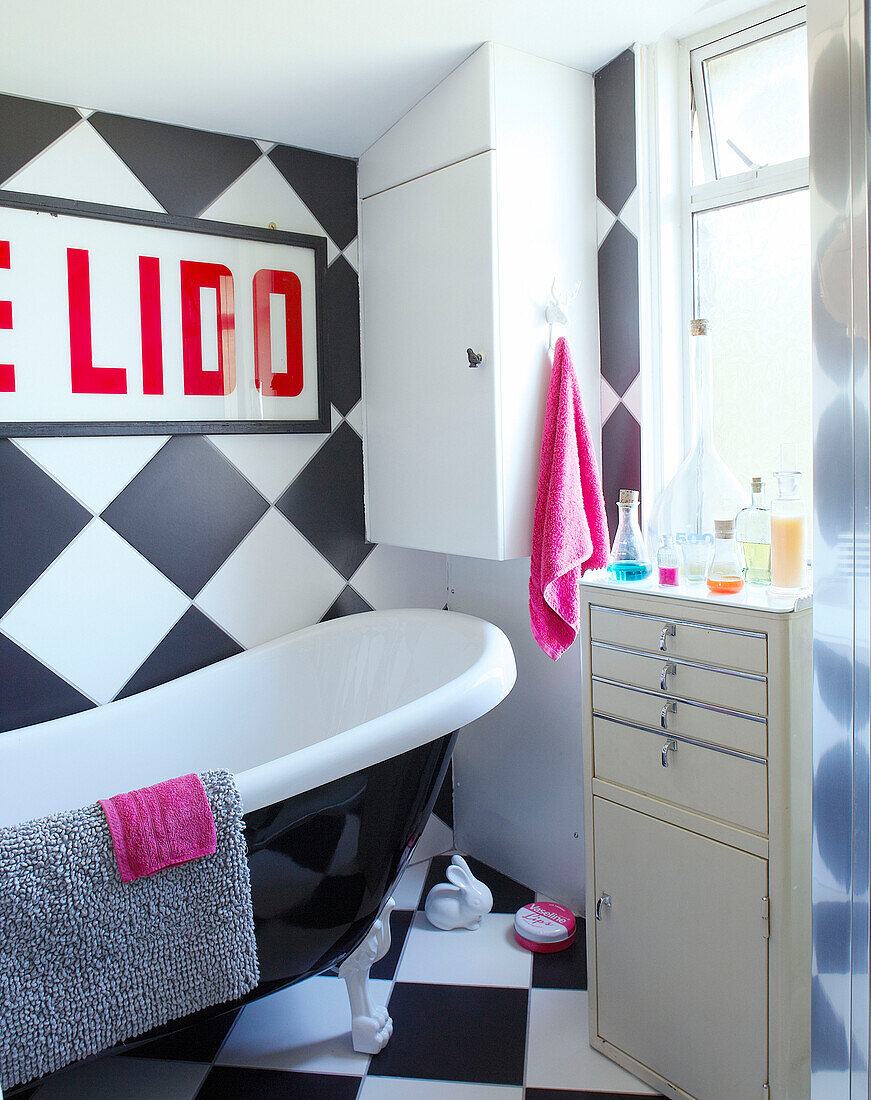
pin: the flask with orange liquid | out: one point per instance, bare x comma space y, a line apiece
788, 526
726, 571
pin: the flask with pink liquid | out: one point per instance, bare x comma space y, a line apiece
668, 562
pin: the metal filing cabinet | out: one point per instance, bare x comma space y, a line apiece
697, 783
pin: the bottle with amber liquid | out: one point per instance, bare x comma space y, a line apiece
726, 571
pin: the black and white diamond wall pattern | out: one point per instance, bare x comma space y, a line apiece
184, 169
27, 128
619, 319
127, 561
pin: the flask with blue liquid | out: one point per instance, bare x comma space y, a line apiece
628, 560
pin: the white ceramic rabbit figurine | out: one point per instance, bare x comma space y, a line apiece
461, 905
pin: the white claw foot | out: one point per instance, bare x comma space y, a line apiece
371, 1026
369, 1034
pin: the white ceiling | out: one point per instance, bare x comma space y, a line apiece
325, 74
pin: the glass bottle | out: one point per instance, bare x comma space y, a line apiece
628, 560
753, 532
726, 571
788, 526
668, 562
703, 489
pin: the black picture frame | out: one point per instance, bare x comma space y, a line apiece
318, 245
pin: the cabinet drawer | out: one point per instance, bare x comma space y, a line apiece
667, 676
709, 781
741, 732
708, 645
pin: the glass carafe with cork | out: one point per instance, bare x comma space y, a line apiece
703, 489
628, 560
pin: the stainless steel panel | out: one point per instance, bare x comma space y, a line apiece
842, 767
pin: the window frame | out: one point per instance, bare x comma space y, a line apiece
759, 182
714, 43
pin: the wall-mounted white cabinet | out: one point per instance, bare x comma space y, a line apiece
471, 205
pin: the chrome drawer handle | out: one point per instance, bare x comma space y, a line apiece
668, 745
663, 716
603, 899
668, 631
667, 670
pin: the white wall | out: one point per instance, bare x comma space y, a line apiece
518, 800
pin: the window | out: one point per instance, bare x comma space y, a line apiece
747, 231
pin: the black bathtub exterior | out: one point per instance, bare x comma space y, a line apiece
322, 865
323, 862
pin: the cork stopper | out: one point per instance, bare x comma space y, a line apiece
724, 528
699, 326
755, 484
628, 496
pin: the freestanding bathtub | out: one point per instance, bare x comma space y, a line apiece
339, 736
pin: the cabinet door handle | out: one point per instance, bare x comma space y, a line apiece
668, 631
603, 899
475, 358
663, 714
668, 745
667, 670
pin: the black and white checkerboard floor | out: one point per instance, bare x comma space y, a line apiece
475, 1018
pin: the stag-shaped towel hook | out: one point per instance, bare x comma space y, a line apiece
555, 313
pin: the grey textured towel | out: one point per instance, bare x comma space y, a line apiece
87, 962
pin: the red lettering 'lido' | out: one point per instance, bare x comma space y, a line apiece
278, 383
199, 382
84, 376
7, 370
150, 325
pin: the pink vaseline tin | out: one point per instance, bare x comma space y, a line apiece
544, 926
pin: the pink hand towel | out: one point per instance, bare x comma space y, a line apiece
159, 826
570, 532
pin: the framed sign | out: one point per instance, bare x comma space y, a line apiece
123, 322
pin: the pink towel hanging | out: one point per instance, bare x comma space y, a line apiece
570, 531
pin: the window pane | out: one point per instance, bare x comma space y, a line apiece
752, 281
758, 103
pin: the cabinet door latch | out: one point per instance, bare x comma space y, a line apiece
766, 923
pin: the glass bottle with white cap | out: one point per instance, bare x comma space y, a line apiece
788, 526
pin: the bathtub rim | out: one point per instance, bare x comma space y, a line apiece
461, 700
475, 690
